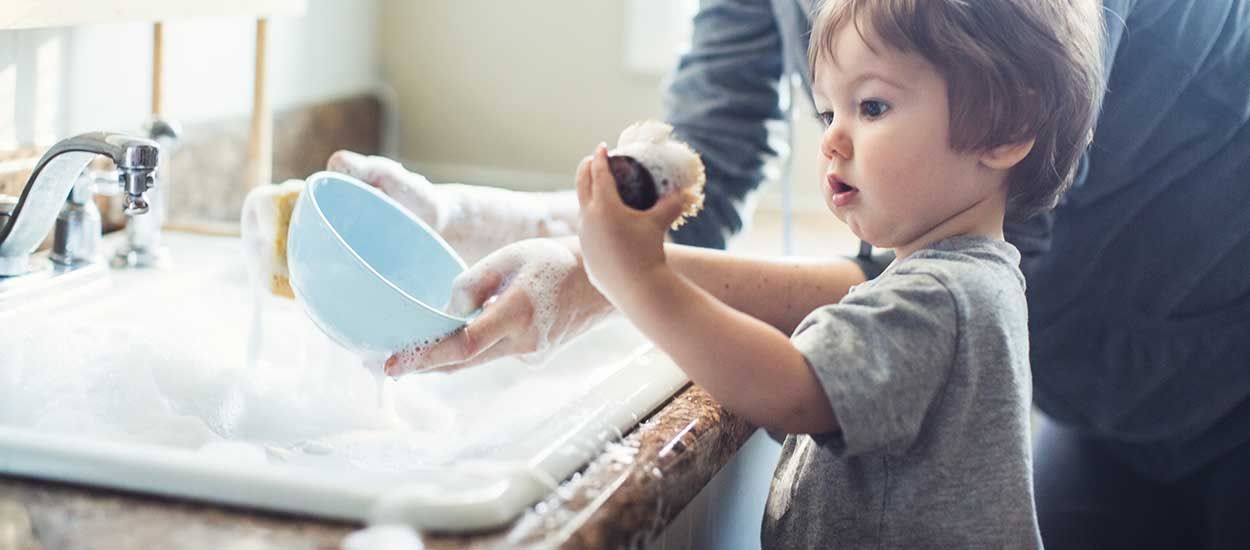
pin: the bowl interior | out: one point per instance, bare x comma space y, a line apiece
389, 240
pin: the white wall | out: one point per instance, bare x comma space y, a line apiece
61, 81
511, 93
515, 93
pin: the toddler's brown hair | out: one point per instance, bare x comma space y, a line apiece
1015, 70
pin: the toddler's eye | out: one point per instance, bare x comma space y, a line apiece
825, 117
873, 108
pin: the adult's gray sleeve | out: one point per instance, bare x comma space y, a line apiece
720, 98
882, 355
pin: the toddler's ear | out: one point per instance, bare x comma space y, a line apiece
1006, 156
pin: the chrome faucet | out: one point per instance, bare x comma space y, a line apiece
49, 186
142, 247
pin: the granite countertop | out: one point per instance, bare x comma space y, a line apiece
623, 498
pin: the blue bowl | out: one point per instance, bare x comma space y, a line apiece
368, 272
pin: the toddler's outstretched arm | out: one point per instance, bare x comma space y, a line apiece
750, 366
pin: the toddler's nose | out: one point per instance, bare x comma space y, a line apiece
835, 141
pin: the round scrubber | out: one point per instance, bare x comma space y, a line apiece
648, 164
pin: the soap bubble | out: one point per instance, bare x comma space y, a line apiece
178, 372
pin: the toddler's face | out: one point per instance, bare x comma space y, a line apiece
890, 172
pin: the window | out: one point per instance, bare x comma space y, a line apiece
656, 33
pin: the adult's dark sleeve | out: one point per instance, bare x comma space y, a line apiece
720, 100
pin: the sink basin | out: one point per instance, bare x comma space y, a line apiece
156, 384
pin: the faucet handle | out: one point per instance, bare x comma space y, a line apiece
76, 237
166, 133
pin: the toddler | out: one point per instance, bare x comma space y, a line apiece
907, 402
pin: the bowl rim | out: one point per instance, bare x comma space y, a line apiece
325, 175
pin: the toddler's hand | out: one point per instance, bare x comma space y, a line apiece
619, 244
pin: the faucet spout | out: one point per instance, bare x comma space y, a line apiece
135, 183
54, 176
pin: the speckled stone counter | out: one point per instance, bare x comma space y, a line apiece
621, 499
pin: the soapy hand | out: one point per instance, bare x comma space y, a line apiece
534, 296
475, 220
410, 189
619, 244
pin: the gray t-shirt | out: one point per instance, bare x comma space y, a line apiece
927, 370
1139, 307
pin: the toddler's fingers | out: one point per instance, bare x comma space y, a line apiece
583, 182
603, 186
669, 207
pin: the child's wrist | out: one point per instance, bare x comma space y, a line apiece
647, 283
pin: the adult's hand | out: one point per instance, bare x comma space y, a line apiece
474, 220
535, 295
410, 189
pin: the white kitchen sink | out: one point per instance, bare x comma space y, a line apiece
145, 385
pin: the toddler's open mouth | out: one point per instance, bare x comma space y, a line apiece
843, 193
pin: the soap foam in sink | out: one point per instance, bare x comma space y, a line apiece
179, 372
385, 390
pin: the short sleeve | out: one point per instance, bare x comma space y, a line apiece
882, 355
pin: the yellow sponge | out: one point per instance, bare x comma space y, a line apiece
265, 221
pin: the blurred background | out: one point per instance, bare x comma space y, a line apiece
504, 94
